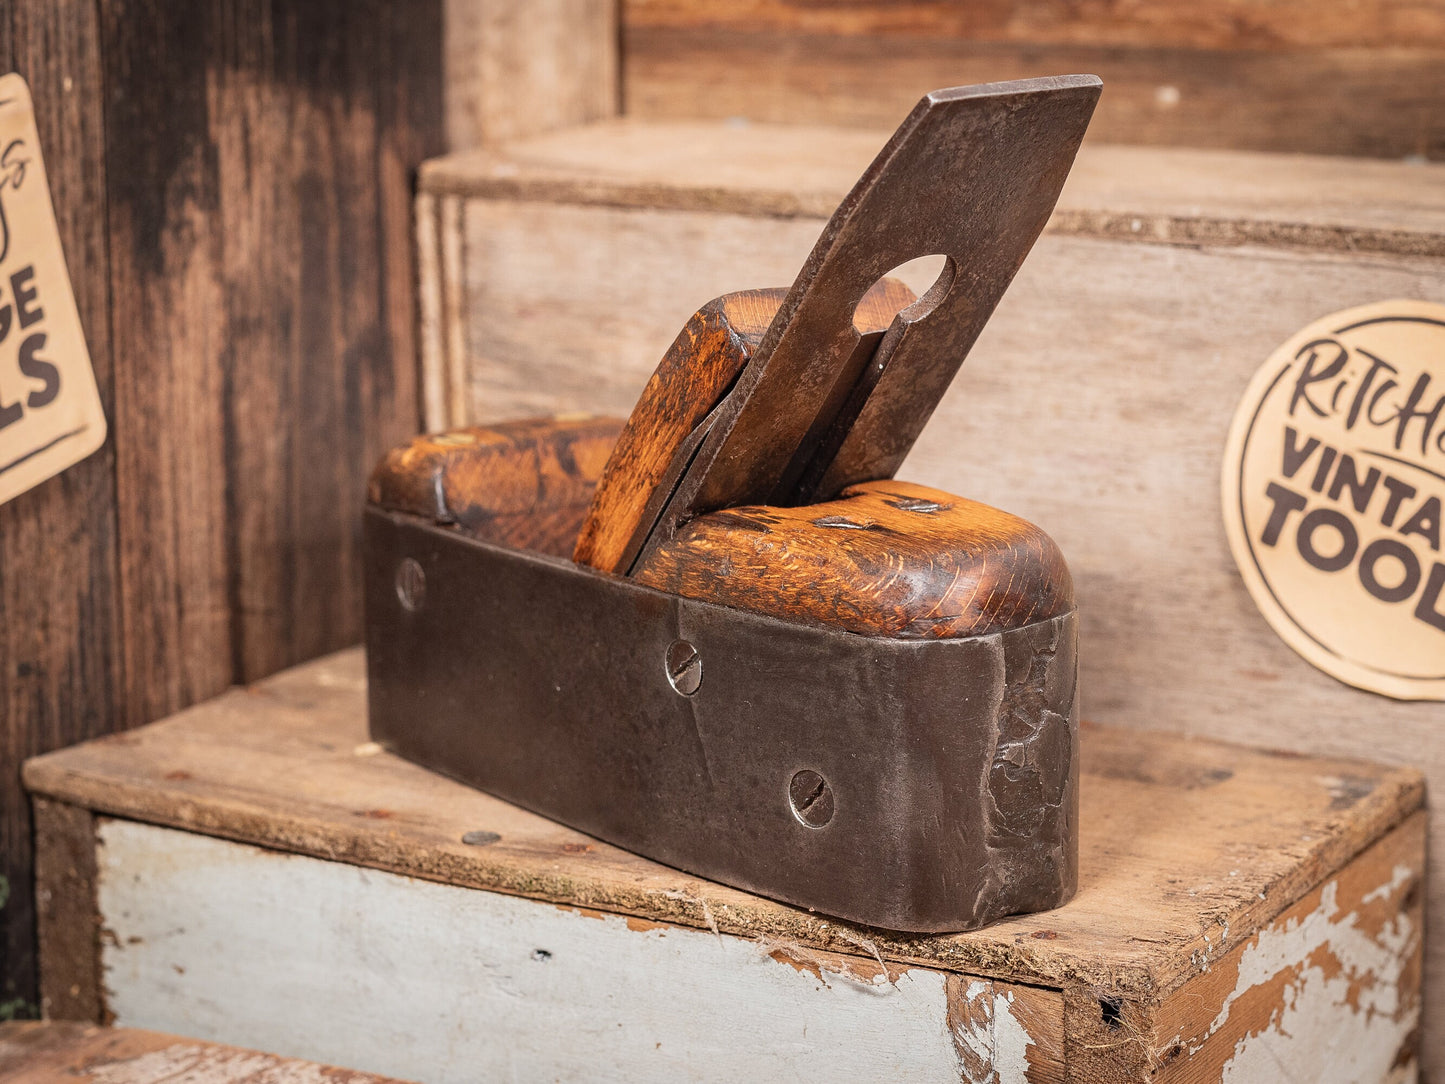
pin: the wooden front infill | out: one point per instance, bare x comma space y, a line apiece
267, 877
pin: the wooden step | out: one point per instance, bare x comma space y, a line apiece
557, 269
264, 875
790, 170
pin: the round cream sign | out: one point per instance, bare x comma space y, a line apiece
1334, 478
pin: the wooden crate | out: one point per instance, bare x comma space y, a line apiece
557, 269
253, 871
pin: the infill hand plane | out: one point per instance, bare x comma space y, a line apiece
720, 634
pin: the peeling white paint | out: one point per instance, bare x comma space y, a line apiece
999, 1044
1010, 1042
1316, 1034
975, 1038
1399, 877
422, 981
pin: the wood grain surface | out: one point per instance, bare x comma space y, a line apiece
886, 558
1249, 75
1209, 197
1188, 847
1209, 24
60, 671
233, 189
267, 320
1352, 945
690, 380
526, 484
66, 1053
518, 67
69, 933
986, 1018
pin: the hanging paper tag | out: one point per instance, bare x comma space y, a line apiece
50, 411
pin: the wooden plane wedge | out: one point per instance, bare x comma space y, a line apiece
972, 174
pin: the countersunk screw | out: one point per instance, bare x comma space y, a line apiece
410, 583
684, 667
811, 798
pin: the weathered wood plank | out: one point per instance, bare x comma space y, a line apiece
666, 282
60, 668
1337, 100
1330, 989
460, 984
166, 234
517, 67
1004, 1032
432, 347
1137, 193
233, 191
604, 333
319, 357
67, 1053
69, 922
1164, 818
261, 201
1208, 24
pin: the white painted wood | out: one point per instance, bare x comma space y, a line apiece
993, 1045
319, 960
1332, 1028
1328, 993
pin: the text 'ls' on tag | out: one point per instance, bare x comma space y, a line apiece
50, 410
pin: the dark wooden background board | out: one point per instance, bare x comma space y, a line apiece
59, 578
233, 184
